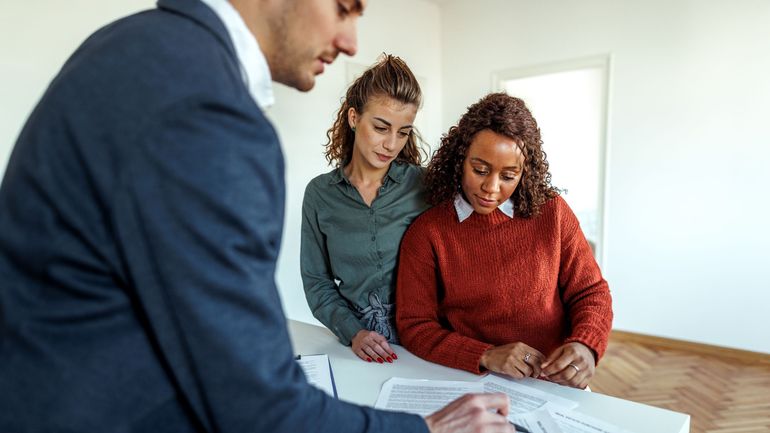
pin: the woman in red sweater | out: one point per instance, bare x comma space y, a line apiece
498, 275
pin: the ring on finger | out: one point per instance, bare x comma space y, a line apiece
577, 369
526, 357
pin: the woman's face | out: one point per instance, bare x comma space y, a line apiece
491, 171
382, 130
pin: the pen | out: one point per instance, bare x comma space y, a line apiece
519, 428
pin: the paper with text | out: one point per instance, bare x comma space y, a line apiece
575, 422
318, 371
422, 397
537, 421
524, 399
531, 410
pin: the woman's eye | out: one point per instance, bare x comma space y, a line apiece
480, 172
380, 129
509, 177
403, 134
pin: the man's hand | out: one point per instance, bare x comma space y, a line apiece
371, 346
572, 364
515, 359
472, 413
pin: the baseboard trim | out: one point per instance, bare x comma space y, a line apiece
746, 356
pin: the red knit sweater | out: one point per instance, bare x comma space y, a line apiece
492, 280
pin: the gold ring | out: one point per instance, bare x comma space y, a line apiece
577, 370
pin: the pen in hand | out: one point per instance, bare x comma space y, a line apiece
519, 428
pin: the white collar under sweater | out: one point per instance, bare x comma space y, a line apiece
464, 209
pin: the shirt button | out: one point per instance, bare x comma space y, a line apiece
371, 211
374, 238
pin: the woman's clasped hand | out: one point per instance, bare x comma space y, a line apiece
572, 364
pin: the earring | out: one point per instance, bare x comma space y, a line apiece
353, 128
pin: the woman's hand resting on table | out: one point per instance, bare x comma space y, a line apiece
515, 359
372, 347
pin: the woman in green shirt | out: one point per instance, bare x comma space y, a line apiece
353, 218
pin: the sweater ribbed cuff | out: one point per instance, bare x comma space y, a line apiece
469, 355
593, 338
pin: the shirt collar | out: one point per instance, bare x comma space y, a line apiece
464, 209
396, 173
255, 71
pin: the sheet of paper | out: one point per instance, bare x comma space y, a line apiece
318, 371
422, 397
524, 399
575, 422
537, 421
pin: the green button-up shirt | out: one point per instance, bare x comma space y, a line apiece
349, 250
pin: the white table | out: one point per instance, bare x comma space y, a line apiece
360, 382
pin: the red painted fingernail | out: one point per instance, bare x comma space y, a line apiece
389, 360
394, 356
380, 360
368, 359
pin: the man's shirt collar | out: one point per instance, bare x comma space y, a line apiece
254, 68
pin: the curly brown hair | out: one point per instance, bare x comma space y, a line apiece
390, 77
504, 115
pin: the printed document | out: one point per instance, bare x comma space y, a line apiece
537, 421
522, 398
318, 371
422, 397
575, 422
530, 410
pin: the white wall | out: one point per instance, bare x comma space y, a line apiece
689, 144
36, 38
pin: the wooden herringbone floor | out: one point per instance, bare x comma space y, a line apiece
721, 394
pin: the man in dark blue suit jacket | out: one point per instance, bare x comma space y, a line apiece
140, 222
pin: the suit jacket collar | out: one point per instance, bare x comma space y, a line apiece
203, 15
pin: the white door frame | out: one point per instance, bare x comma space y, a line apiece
602, 62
